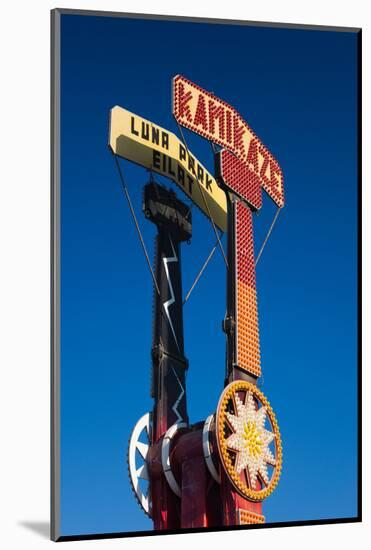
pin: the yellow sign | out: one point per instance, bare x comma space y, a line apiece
139, 140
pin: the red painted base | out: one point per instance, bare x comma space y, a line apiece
203, 502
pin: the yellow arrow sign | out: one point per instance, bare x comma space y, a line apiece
143, 142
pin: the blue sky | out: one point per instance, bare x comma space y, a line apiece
297, 90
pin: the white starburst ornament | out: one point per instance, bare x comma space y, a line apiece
244, 411
251, 440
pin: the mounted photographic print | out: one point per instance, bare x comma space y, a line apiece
205, 275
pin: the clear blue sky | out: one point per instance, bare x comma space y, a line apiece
297, 89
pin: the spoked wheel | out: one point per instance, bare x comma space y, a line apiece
139, 444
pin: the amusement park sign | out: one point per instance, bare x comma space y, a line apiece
215, 120
139, 140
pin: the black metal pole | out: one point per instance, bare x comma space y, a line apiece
169, 363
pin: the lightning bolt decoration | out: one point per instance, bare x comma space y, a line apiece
174, 226
180, 397
171, 301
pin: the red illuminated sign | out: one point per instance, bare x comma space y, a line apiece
212, 118
239, 177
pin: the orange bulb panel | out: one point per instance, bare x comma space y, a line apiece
247, 325
246, 517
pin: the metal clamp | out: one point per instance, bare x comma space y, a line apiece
207, 450
165, 457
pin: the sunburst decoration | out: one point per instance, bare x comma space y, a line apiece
244, 441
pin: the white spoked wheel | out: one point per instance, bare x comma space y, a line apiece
139, 444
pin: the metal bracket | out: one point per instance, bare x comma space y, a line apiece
165, 457
158, 352
207, 450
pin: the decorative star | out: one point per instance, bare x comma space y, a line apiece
250, 439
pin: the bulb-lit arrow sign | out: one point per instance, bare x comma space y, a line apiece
215, 120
